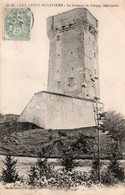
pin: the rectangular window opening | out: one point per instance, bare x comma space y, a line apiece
71, 82
58, 37
58, 84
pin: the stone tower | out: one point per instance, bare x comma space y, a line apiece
73, 75
73, 57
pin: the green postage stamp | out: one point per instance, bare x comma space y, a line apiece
17, 23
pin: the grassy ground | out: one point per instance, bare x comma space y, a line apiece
24, 163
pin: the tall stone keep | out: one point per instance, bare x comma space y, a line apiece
73, 75
73, 56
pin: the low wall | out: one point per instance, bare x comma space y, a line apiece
55, 111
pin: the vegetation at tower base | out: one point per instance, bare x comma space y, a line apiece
9, 172
32, 175
40, 172
69, 153
28, 140
114, 172
69, 145
42, 175
114, 125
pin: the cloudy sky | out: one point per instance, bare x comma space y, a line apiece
24, 64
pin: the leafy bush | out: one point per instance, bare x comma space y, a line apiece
9, 173
32, 175
61, 179
68, 161
108, 178
117, 171
68, 180
114, 173
94, 173
40, 172
43, 167
42, 175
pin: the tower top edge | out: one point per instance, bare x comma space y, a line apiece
72, 10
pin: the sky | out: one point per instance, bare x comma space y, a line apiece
24, 64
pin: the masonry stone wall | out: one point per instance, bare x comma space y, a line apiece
73, 57
73, 74
34, 112
54, 111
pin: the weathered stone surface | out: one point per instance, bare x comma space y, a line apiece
73, 77
56, 111
73, 62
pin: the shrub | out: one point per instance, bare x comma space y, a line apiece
32, 176
68, 155
108, 178
94, 173
43, 168
117, 171
114, 172
42, 175
67, 180
9, 173
40, 172
68, 161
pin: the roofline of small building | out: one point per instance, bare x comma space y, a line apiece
73, 10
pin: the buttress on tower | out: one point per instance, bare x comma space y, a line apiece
73, 75
73, 57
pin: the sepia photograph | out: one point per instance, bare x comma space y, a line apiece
62, 97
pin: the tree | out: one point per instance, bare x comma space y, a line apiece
94, 173
114, 165
9, 173
71, 151
41, 170
114, 123
44, 169
114, 172
32, 175
83, 144
67, 156
68, 160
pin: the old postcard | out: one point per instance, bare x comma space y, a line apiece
62, 107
